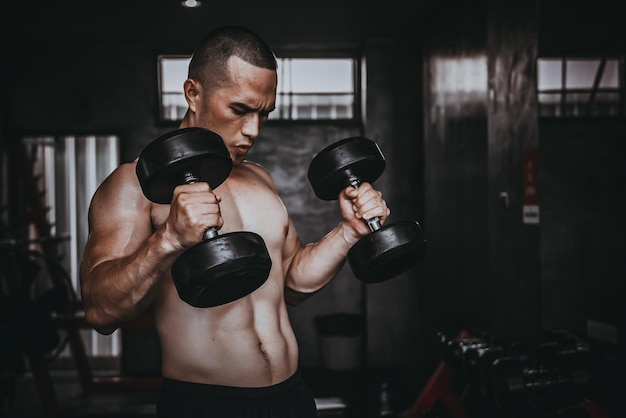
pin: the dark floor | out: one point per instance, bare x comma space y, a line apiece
349, 394
72, 401
352, 393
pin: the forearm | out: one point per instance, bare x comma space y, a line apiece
314, 265
117, 290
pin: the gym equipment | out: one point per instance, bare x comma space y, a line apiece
517, 379
439, 396
388, 250
221, 268
486, 376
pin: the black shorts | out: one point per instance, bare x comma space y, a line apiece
289, 399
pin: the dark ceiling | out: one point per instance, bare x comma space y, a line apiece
154, 20
566, 26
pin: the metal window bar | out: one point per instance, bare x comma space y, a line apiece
292, 106
563, 84
596, 84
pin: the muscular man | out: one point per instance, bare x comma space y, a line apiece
237, 359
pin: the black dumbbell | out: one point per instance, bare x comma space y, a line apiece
518, 378
388, 250
221, 268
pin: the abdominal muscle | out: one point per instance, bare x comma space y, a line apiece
245, 343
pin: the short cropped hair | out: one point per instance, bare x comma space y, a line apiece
210, 58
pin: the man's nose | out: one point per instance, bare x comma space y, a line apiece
251, 125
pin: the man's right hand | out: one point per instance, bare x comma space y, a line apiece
194, 209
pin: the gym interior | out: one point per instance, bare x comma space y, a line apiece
503, 129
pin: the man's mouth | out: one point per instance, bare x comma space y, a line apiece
242, 149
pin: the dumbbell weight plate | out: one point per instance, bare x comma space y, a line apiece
330, 170
163, 163
387, 252
221, 269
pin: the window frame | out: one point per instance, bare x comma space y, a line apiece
563, 92
289, 53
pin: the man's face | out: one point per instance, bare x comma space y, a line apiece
237, 110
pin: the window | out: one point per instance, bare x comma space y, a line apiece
314, 89
308, 88
69, 168
172, 74
580, 87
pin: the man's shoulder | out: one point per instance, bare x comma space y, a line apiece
124, 175
254, 169
254, 166
257, 172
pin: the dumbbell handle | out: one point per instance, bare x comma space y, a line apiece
212, 231
373, 223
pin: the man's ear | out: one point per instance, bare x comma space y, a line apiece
192, 90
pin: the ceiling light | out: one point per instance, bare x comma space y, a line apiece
190, 3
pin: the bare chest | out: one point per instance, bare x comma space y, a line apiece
245, 206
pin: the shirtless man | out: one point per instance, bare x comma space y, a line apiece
238, 359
